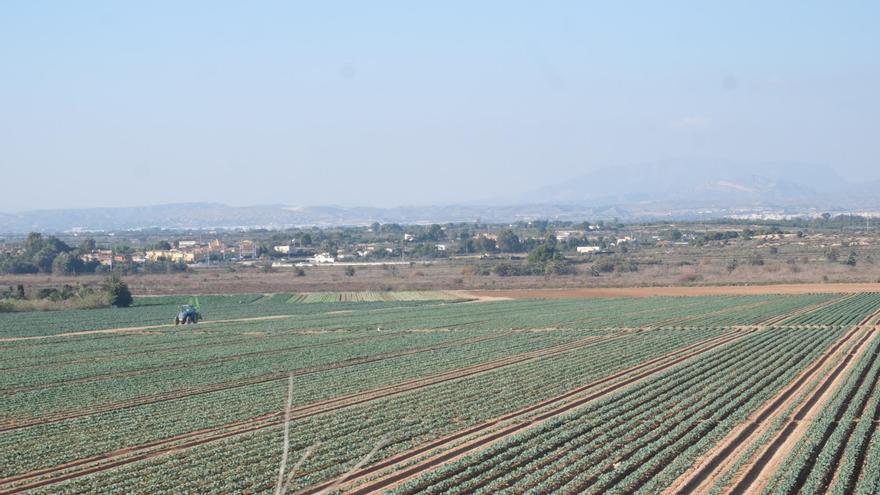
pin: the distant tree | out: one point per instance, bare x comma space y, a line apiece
33, 243
485, 245
87, 246
349, 271
852, 259
64, 264
162, 246
732, 265
329, 246
509, 242
306, 239
117, 291
435, 233
832, 255
375, 227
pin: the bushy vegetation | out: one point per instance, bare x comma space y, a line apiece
48, 255
113, 291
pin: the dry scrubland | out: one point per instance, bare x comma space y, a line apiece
751, 393
457, 275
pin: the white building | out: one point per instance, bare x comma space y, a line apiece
588, 249
323, 258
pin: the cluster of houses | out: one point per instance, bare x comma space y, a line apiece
185, 252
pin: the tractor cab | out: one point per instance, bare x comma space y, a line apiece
187, 314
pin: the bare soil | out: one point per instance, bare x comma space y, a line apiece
712, 290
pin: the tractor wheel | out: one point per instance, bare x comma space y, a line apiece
177, 320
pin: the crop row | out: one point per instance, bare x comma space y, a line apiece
244, 402
638, 440
833, 447
846, 312
413, 417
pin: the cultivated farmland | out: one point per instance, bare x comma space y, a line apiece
435, 392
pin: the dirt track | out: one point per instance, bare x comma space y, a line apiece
136, 329
715, 290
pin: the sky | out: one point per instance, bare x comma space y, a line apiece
411, 103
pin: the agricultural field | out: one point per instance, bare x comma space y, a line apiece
438, 392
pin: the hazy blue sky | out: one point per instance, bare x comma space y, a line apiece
386, 103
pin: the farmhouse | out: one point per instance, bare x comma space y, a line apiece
588, 249
322, 258
174, 255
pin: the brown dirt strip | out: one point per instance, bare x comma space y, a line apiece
758, 475
179, 394
487, 433
713, 290
191, 439
712, 465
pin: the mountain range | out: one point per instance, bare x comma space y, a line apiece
676, 189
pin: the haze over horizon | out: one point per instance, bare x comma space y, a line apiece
387, 104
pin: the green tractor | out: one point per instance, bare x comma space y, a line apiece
188, 314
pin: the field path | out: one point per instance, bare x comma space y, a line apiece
138, 329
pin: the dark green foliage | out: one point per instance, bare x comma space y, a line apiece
117, 291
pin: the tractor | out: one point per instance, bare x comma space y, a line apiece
188, 314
